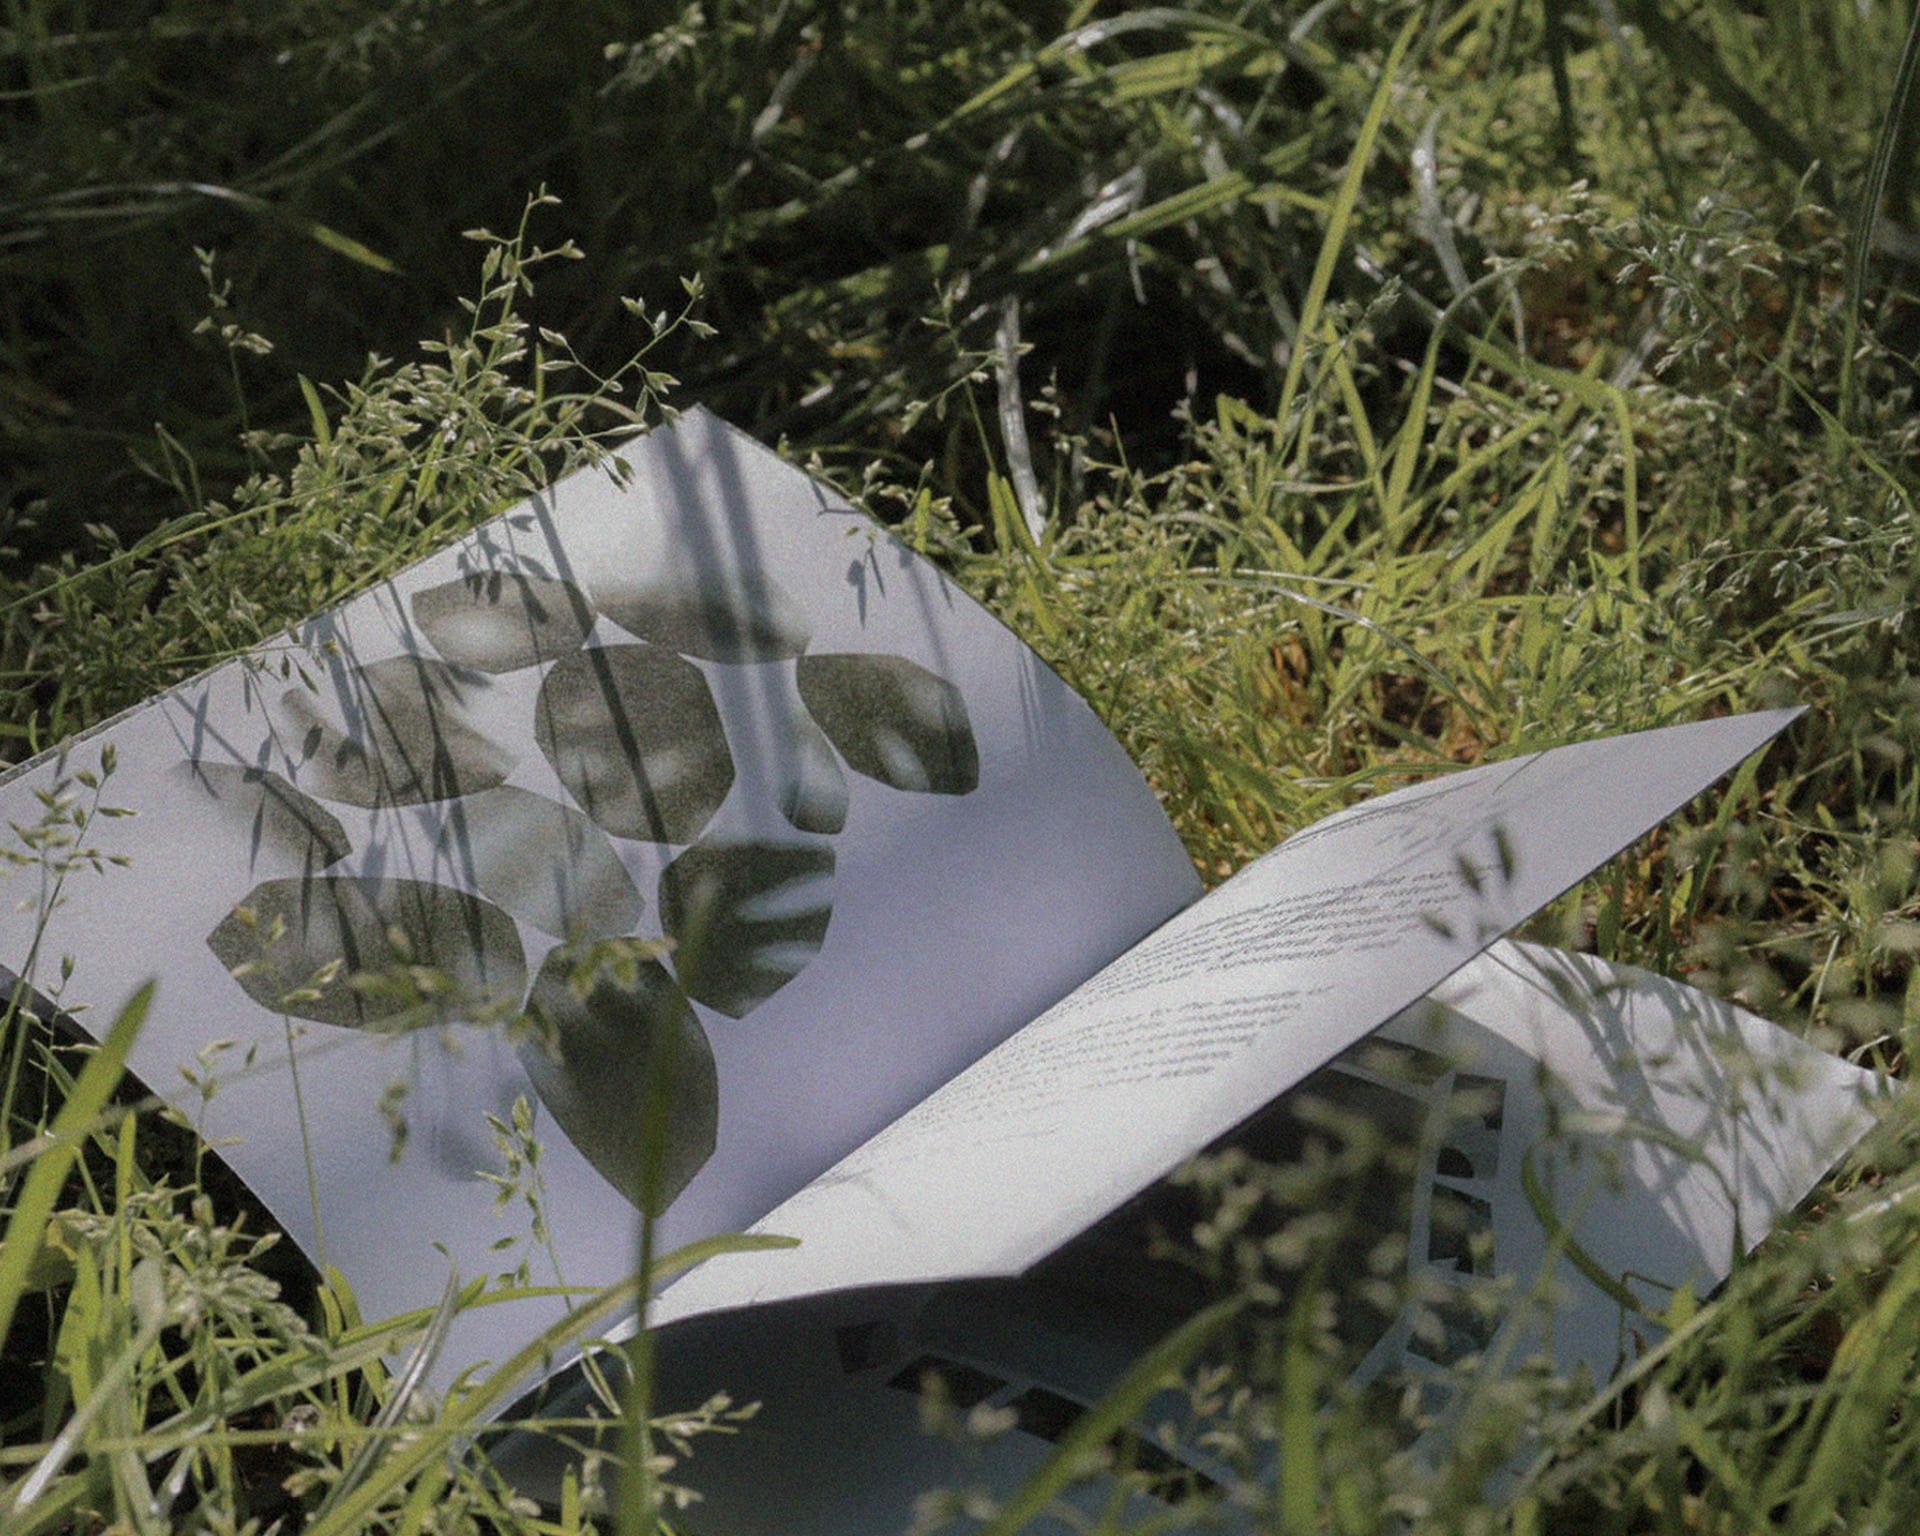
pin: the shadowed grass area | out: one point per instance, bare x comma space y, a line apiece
1395, 386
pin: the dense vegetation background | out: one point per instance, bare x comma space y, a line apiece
1332, 392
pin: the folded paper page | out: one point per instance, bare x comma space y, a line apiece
1230, 1004
850, 822
1644, 1136
1588, 1138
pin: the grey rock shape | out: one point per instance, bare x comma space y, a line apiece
739, 618
745, 918
813, 793
278, 823
297, 943
411, 738
633, 733
893, 720
501, 621
543, 861
598, 1061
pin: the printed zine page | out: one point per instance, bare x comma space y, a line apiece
1586, 1138
845, 825
1217, 1013
1628, 1122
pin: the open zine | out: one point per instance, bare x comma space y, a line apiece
931, 982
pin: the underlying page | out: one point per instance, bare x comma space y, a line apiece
1664, 1130
1659, 1130
1224, 1008
704, 707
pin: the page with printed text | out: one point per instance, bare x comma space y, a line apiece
1217, 1013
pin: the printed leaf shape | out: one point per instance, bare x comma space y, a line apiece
893, 720
544, 862
813, 791
595, 1071
410, 736
633, 733
280, 824
745, 918
734, 620
301, 940
501, 621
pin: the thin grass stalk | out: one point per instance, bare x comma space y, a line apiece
1113, 1413
1333, 242
1554, 28
1897, 124
1694, 59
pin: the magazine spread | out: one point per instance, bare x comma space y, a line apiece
724, 787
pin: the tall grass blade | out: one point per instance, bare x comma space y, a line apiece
107, 1397
1694, 59
145, 199
27, 1224
1898, 125
1430, 218
1334, 241
410, 1455
1013, 421
412, 1374
1554, 17
1874, 1360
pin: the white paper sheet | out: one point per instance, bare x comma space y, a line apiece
953, 907
1218, 1012
1671, 1130
1667, 1131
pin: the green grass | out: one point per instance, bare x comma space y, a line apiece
1360, 439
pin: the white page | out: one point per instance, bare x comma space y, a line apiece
1668, 1131
956, 913
1670, 1128
1231, 1003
